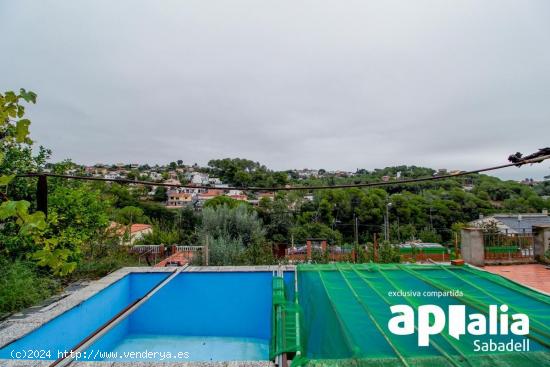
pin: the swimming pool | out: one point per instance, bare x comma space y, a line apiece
197, 316
68, 329
339, 317
210, 316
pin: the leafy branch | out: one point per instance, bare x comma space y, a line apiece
14, 131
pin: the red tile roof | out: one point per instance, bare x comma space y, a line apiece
120, 229
139, 227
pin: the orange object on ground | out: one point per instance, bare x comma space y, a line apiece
181, 258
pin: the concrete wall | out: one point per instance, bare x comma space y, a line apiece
541, 239
471, 246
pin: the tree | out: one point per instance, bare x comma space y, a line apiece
277, 218
429, 236
223, 201
234, 235
244, 172
160, 236
160, 194
130, 215
77, 219
316, 230
17, 220
14, 135
77, 214
157, 212
187, 223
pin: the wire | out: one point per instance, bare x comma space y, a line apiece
293, 188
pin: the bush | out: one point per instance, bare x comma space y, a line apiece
365, 254
22, 285
160, 236
388, 253
224, 251
430, 236
258, 254
235, 236
107, 258
232, 224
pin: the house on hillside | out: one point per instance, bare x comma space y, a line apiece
237, 195
178, 198
198, 178
513, 223
113, 175
209, 194
129, 234
172, 181
156, 176
214, 181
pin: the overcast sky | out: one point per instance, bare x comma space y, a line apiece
290, 83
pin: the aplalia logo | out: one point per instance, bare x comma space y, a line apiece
432, 320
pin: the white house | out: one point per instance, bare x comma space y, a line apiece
513, 223
198, 178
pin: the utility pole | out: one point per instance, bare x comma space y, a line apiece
398, 229
356, 235
386, 225
356, 229
387, 222
205, 252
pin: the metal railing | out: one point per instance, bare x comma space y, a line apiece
502, 246
331, 253
189, 248
141, 249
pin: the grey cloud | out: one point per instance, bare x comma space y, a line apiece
331, 84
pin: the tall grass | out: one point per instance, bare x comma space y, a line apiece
22, 285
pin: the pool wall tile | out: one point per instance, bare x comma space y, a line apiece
14, 328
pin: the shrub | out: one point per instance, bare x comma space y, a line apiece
235, 236
224, 251
388, 253
106, 259
22, 285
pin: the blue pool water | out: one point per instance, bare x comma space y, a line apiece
190, 348
198, 316
211, 316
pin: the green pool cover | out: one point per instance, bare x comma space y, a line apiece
345, 309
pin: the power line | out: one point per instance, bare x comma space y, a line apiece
292, 188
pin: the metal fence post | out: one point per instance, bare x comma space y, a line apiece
42, 194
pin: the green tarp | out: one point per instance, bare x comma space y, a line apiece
345, 311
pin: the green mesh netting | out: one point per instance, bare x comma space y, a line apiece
284, 324
345, 312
